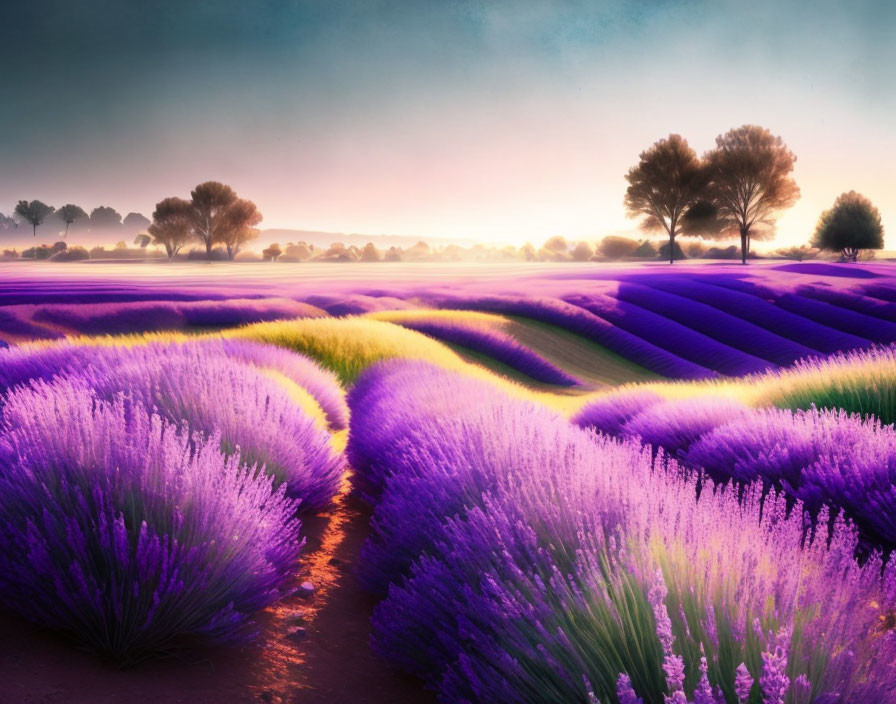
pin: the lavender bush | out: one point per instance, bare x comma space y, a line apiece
321, 383
200, 385
127, 534
610, 413
674, 425
588, 560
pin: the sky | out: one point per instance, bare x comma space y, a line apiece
504, 121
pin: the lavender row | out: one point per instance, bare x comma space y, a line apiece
205, 387
758, 311
126, 317
586, 324
529, 561
127, 533
712, 322
497, 345
12, 324
670, 335
851, 300
823, 458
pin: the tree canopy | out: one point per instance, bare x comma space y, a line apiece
851, 225
34, 212
70, 213
104, 217
667, 181
237, 225
172, 224
751, 180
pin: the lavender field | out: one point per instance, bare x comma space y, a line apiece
541, 483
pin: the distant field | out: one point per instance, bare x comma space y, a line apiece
518, 483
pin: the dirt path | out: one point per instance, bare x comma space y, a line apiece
329, 661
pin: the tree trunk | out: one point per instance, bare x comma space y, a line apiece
67, 223
208, 249
671, 248
743, 247
34, 232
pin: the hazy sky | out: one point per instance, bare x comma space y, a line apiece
494, 120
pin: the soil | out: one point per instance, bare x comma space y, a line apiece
330, 661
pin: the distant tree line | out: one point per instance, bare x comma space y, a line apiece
214, 217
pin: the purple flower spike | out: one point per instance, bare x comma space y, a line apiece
625, 692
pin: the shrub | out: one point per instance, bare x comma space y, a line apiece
730, 252
851, 225
71, 254
663, 252
573, 559
208, 392
646, 249
615, 247
128, 535
674, 425
610, 413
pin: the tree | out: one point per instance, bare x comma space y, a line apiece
237, 225
616, 247
7, 223
750, 182
34, 212
851, 225
135, 223
370, 253
172, 224
271, 253
210, 202
582, 252
104, 217
667, 181
70, 213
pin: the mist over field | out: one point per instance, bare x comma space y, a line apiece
513, 352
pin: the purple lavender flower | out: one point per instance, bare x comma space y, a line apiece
774, 681
625, 692
127, 534
743, 683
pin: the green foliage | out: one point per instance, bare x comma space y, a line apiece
851, 225
645, 249
863, 383
615, 247
71, 254
664, 251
